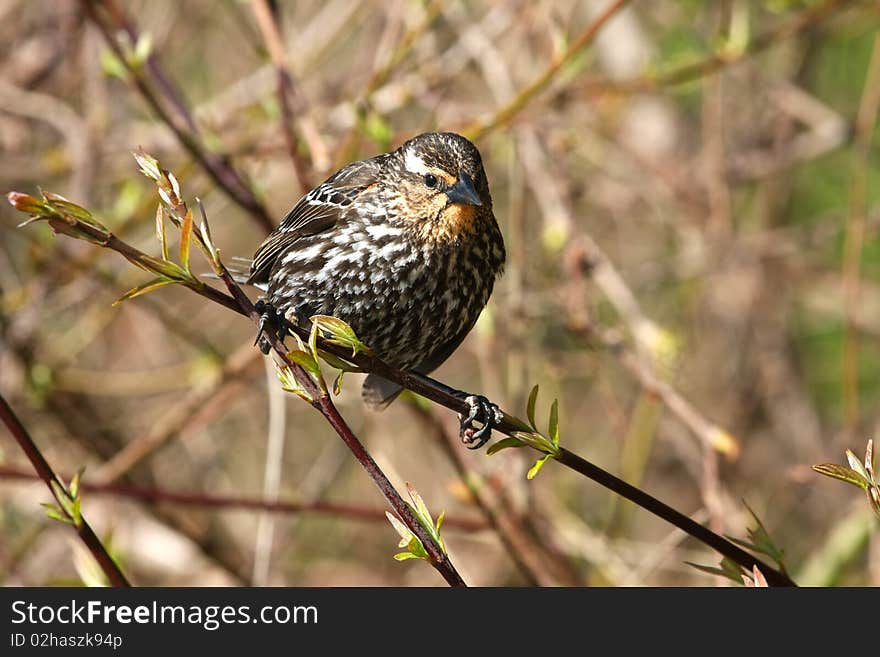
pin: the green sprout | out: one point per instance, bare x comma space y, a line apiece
408, 540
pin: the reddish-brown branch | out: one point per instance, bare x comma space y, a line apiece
286, 90
236, 503
322, 402
114, 575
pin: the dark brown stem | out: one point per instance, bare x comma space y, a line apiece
528, 558
322, 402
661, 510
45, 472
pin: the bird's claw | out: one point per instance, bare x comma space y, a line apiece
271, 320
483, 411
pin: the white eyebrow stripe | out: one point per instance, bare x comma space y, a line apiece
414, 163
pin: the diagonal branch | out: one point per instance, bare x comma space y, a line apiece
64, 222
180, 122
45, 472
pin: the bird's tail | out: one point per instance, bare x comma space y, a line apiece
240, 268
378, 392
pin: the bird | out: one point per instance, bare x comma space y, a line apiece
405, 248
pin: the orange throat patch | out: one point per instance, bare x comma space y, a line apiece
455, 220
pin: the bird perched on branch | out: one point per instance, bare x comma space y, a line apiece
404, 247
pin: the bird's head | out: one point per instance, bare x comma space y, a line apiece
441, 185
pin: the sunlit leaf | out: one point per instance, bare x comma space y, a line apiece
185, 238
75, 482
530, 407
553, 429
535, 469
149, 286
504, 443
729, 570
842, 473
160, 231
856, 464
338, 332
305, 360
148, 165
419, 506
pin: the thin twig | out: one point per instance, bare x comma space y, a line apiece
114, 574
217, 166
235, 503
806, 20
286, 91
512, 108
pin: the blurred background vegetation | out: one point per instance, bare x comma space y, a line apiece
690, 205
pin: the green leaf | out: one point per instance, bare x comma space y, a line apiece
185, 238
160, 231
504, 443
530, 407
419, 506
149, 286
337, 383
762, 542
207, 241
305, 360
55, 513
148, 165
290, 383
338, 332
76, 512
64, 206
857, 465
536, 440
535, 469
842, 473
403, 556
399, 527
112, 65
75, 481
337, 363
728, 569
554, 423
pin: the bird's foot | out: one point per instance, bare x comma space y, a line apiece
271, 321
480, 410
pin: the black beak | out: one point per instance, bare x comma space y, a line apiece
463, 191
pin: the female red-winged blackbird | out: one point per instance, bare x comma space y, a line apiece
403, 247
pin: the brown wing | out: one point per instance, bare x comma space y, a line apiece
315, 212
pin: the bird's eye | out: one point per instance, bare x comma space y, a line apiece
431, 180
